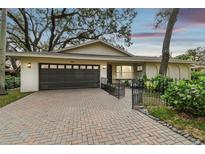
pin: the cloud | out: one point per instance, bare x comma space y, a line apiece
179, 29
192, 16
155, 34
147, 35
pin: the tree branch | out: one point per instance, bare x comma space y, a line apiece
15, 20
26, 30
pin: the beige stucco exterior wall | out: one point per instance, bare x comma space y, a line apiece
175, 71
202, 70
185, 71
30, 76
96, 49
151, 70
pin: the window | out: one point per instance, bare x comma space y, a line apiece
119, 69
82, 67
53, 66
124, 69
139, 68
127, 69
61, 66
75, 67
95, 67
124, 72
44, 66
89, 67
68, 66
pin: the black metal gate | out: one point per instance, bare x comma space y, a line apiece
116, 88
147, 93
137, 92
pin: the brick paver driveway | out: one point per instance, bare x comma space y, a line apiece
83, 116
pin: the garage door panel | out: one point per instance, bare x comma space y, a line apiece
64, 85
68, 78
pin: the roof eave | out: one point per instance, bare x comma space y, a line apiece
103, 58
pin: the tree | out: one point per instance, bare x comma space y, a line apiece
169, 15
2, 50
36, 30
184, 57
197, 55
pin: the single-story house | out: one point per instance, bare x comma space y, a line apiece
84, 65
198, 68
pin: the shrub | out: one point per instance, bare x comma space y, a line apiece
187, 96
140, 82
158, 83
197, 75
108, 87
12, 82
127, 83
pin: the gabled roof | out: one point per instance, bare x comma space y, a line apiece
92, 42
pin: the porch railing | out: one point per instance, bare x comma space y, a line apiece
116, 88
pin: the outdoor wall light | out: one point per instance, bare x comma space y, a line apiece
104, 67
29, 65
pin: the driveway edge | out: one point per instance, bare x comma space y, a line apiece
194, 140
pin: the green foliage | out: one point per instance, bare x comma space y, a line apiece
197, 55
184, 96
12, 96
127, 83
144, 77
12, 82
108, 87
185, 57
161, 112
197, 75
55, 28
194, 126
158, 83
187, 96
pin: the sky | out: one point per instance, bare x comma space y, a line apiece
189, 32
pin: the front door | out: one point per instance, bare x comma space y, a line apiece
109, 73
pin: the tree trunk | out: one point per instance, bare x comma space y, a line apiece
16, 69
3, 50
166, 43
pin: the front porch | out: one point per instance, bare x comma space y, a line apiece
124, 71
119, 76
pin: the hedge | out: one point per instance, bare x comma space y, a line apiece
12, 82
187, 96
158, 83
197, 75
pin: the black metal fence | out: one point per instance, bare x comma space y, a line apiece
142, 95
116, 88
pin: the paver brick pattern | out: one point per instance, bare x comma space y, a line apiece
80, 116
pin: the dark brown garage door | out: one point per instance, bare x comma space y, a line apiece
65, 76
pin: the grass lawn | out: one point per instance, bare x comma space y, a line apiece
12, 96
194, 126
